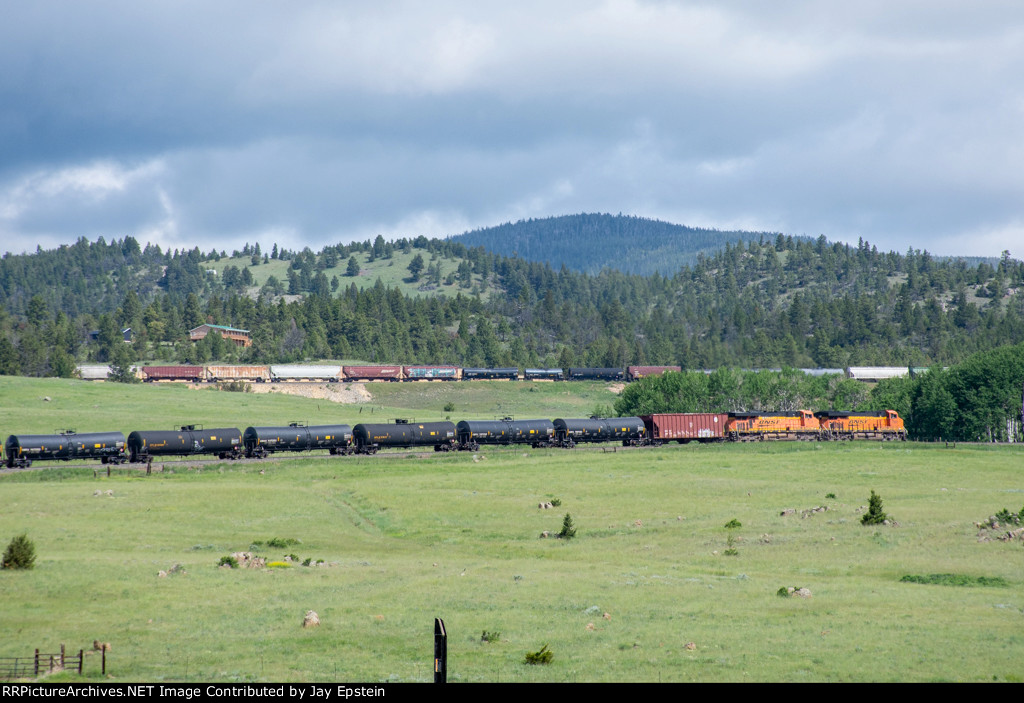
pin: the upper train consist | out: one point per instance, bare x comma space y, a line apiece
467, 435
327, 373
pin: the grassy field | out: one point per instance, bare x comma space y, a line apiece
43, 406
457, 537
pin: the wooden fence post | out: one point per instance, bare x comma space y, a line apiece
36, 673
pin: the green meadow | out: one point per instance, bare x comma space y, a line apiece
653, 588
43, 406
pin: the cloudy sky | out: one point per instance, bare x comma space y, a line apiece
307, 123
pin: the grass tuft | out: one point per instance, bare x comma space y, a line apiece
956, 580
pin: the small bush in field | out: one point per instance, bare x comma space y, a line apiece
541, 656
20, 554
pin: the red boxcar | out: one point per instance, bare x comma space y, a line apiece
686, 427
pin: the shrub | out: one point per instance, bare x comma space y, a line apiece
830, 496
556, 502
490, 636
874, 515
1005, 516
20, 554
541, 656
956, 580
568, 528
229, 561
733, 524
449, 407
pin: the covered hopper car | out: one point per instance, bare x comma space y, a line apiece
373, 373
686, 427
192, 374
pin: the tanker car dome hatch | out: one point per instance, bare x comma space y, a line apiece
191, 428
401, 421
68, 431
299, 423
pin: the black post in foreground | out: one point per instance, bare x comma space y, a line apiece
440, 652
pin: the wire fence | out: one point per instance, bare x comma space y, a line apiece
40, 664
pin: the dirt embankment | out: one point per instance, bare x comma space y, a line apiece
346, 393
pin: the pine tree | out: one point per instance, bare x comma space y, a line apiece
20, 554
416, 267
568, 528
874, 515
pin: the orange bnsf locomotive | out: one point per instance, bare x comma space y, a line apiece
883, 425
758, 427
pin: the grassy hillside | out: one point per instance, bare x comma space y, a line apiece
44, 406
392, 273
407, 540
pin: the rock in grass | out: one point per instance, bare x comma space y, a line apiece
311, 619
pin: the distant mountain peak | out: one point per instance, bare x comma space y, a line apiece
590, 242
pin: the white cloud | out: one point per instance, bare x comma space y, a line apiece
92, 182
429, 223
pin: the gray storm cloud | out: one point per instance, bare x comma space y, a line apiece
214, 124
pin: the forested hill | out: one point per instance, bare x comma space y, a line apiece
762, 303
591, 242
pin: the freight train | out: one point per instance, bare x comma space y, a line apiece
326, 373
467, 435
